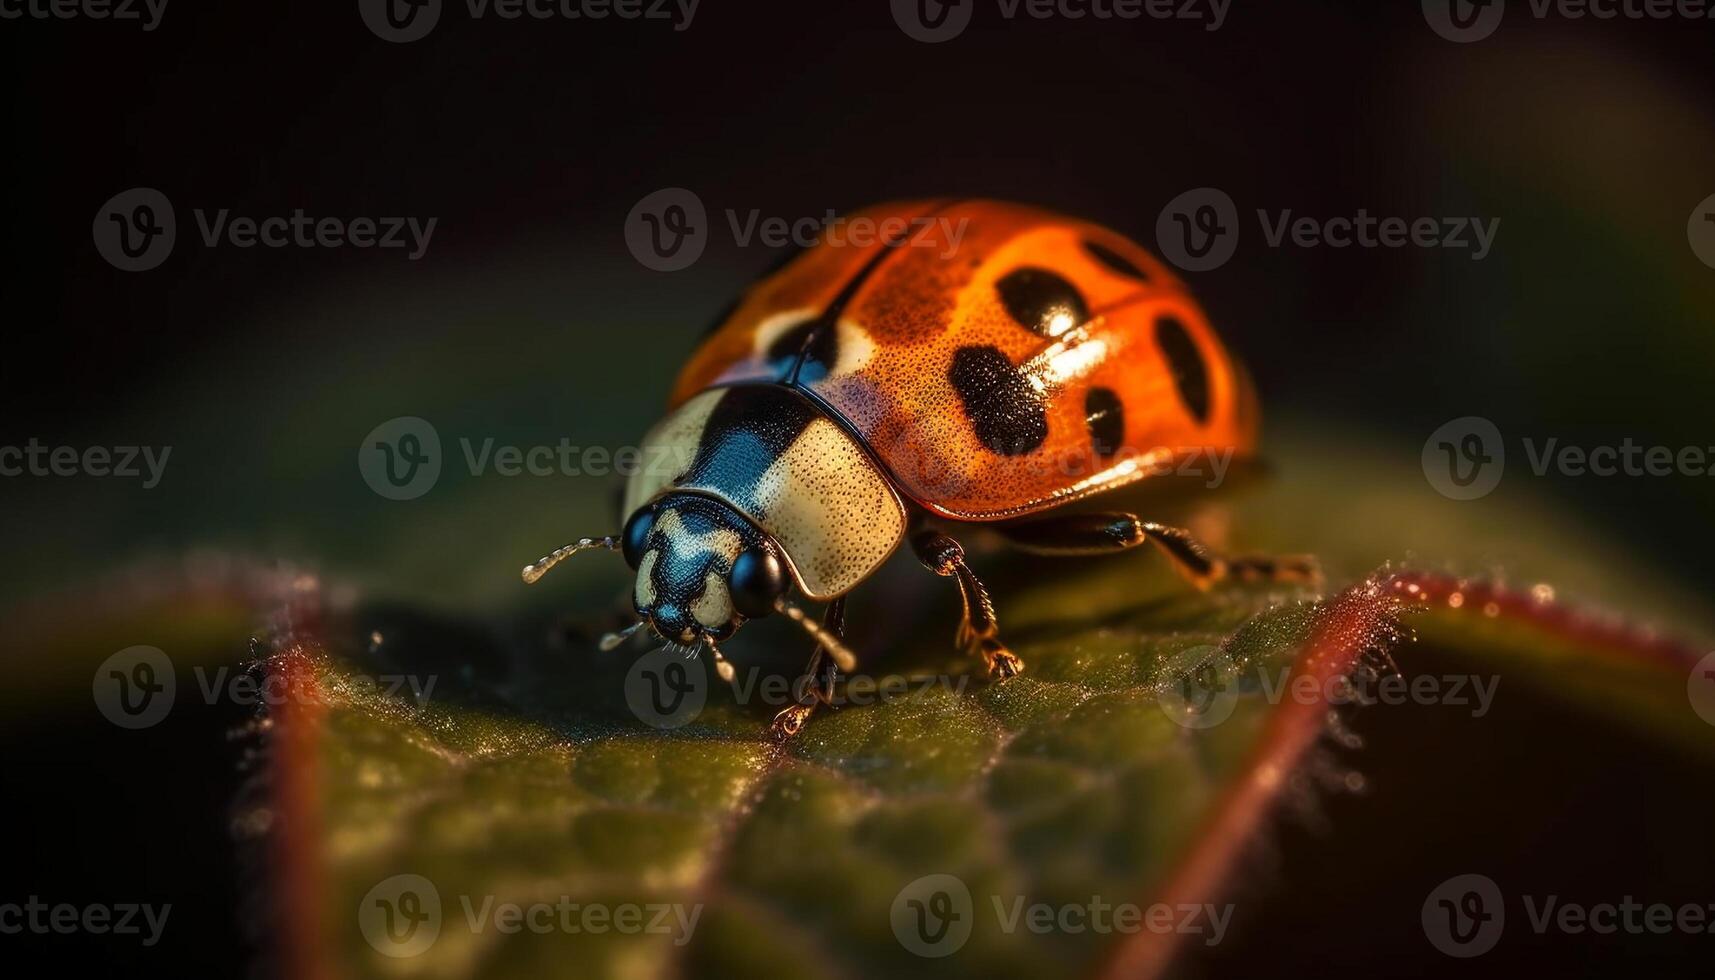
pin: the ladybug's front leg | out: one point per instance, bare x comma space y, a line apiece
816, 686
978, 634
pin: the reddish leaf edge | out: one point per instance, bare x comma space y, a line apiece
1364, 620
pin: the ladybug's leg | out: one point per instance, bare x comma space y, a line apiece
978, 634
1094, 534
816, 686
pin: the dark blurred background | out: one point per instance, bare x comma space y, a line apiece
529, 141
528, 320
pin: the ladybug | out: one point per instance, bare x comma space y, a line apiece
981, 362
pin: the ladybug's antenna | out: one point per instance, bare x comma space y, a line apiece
839, 651
534, 571
611, 641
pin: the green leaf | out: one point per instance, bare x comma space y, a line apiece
1132, 763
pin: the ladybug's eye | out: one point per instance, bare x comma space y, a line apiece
636, 533
755, 582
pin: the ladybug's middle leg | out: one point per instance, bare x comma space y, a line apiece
1094, 534
978, 634
816, 686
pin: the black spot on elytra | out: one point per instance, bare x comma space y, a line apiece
1115, 261
1005, 411
1041, 301
1105, 416
818, 347
1190, 374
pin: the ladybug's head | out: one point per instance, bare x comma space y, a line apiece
702, 568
